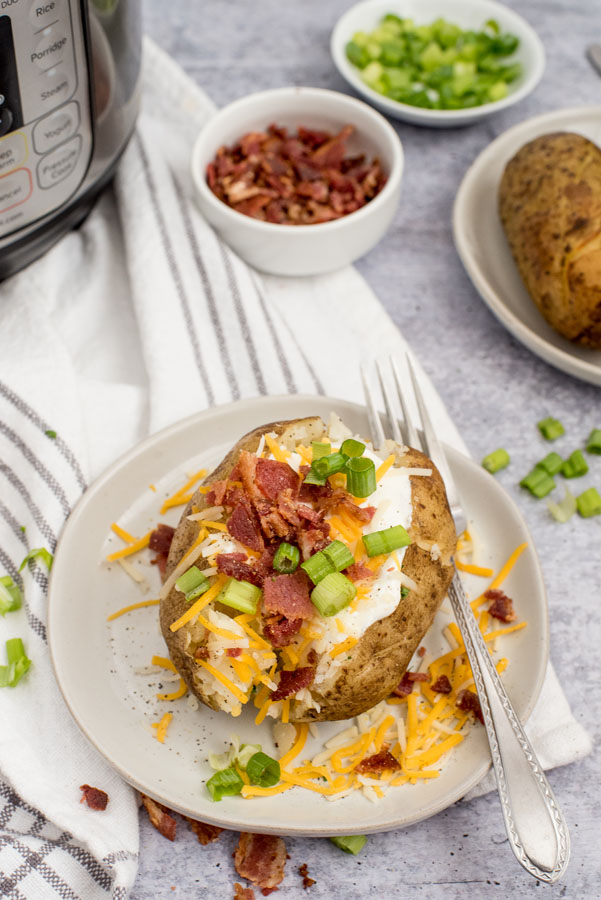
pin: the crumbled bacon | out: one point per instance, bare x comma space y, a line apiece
235, 565
313, 539
405, 686
501, 606
303, 871
205, 833
341, 498
261, 859
292, 682
469, 702
273, 477
216, 493
243, 893
160, 560
279, 630
160, 538
294, 180
233, 652
160, 817
94, 797
358, 572
379, 762
442, 685
243, 525
201, 652
288, 595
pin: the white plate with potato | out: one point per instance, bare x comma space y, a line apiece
485, 252
103, 667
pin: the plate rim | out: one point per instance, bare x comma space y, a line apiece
540, 346
438, 804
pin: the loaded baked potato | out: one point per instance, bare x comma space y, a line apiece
322, 630
550, 207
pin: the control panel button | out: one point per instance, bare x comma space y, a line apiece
44, 13
58, 164
6, 119
54, 87
15, 189
56, 127
13, 152
51, 48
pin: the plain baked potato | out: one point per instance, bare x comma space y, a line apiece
550, 207
362, 676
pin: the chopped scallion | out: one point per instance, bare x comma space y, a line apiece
313, 478
495, 461
386, 541
552, 463
320, 449
18, 663
550, 428
565, 509
263, 770
226, 783
352, 448
39, 553
404, 592
286, 559
10, 595
593, 444
192, 583
538, 483
318, 566
352, 843
333, 593
361, 476
339, 555
329, 465
246, 752
589, 503
240, 595
50, 433
575, 465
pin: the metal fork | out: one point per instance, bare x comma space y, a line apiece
535, 825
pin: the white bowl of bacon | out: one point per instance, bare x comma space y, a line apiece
298, 180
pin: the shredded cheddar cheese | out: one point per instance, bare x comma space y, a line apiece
473, 570
232, 688
132, 606
164, 663
343, 647
276, 451
180, 497
196, 607
123, 534
183, 687
162, 726
138, 545
383, 469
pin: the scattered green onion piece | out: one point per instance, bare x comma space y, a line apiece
320, 449
593, 444
552, 463
286, 559
329, 465
263, 770
404, 592
544, 487
240, 595
318, 566
333, 593
191, 580
589, 503
535, 477
495, 461
39, 553
339, 555
361, 476
550, 428
221, 761
10, 595
575, 465
50, 433
226, 783
565, 509
18, 663
354, 843
386, 541
313, 478
246, 752
352, 448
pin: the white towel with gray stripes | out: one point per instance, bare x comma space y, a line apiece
137, 319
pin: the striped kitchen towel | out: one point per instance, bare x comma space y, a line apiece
140, 317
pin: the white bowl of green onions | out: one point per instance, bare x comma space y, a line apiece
439, 63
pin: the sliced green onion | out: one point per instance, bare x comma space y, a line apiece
226, 783
538, 482
192, 583
50, 433
10, 595
320, 449
361, 476
329, 465
495, 461
39, 553
263, 770
313, 478
543, 488
404, 592
575, 465
339, 555
593, 444
565, 509
552, 463
589, 503
353, 843
550, 428
246, 752
386, 541
241, 595
286, 559
18, 663
318, 566
352, 448
333, 593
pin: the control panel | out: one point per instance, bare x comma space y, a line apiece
45, 119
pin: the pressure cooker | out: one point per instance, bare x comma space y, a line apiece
69, 90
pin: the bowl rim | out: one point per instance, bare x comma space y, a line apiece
386, 129
341, 33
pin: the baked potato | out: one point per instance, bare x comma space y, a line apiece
302, 665
550, 207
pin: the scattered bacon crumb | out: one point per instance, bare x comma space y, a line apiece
379, 762
358, 572
243, 893
261, 859
205, 833
160, 538
292, 682
421, 652
442, 685
94, 797
405, 686
201, 653
303, 871
233, 651
501, 606
469, 702
160, 817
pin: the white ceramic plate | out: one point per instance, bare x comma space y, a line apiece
95, 661
366, 16
485, 253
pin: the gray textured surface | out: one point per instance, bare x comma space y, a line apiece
494, 389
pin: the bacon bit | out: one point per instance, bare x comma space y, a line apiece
261, 859
358, 572
469, 702
303, 871
313, 539
312, 657
216, 493
94, 797
442, 685
160, 817
160, 538
233, 652
234, 564
243, 893
421, 652
501, 606
279, 630
313, 492
288, 595
160, 560
201, 653
273, 477
243, 525
379, 762
292, 682
206, 834
405, 686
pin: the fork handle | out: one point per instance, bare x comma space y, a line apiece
535, 825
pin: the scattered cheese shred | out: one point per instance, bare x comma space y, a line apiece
163, 662
183, 687
126, 609
276, 451
199, 604
180, 497
218, 526
131, 548
297, 747
474, 570
252, 791
162, 726
501, 576
123, 534
383, 469
225, 681
343, 647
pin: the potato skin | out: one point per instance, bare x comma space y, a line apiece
550, 208
379, 659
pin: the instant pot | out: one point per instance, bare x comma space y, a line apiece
69, 79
